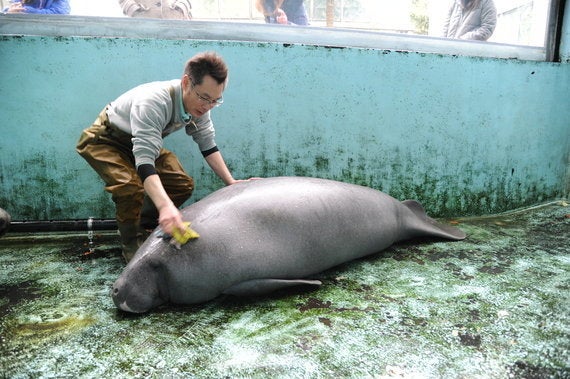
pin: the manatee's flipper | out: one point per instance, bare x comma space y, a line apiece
257, 287
430, 227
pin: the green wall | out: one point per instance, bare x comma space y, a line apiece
464, 135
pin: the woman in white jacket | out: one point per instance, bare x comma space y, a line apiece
470, 19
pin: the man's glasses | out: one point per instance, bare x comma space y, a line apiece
206, 100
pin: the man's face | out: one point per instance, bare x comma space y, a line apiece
200, 98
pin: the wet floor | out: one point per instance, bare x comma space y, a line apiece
496, 305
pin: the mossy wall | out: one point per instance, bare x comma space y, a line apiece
463, 135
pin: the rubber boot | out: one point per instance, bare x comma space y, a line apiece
132, 237
142, 235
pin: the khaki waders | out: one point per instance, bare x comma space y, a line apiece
110, 152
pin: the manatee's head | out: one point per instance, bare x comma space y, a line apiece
140, 287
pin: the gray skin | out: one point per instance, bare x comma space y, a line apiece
4, 221
263, 235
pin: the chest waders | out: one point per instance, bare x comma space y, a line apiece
109, 151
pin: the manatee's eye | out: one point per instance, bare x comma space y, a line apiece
154, 263
115, 290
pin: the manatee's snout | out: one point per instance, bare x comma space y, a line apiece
131, 296
125, 297
119, 298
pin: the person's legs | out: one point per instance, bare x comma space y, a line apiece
109, 152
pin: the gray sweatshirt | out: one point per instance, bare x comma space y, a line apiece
148, 113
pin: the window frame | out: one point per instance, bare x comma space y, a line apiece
554, 30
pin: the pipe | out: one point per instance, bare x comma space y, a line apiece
62, 225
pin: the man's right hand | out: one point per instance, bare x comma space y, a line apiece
170, 218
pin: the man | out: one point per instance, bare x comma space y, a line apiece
124, 146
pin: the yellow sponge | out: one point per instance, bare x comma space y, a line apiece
183, 236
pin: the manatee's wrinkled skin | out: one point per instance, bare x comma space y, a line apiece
4, 221
262, 235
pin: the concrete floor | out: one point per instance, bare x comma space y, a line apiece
496, 305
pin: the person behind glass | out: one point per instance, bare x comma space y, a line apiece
291, 12
39, 7
125, 147
166, 9
470, 19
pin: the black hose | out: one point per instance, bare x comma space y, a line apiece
61, 225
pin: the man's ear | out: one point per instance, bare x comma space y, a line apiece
185, 80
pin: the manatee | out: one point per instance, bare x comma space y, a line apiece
263, 235
4, 221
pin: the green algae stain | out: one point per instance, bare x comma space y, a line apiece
443, 194
51, 326
322, 163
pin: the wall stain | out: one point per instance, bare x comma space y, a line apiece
330, 142
446, 196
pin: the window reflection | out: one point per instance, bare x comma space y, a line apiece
519, 22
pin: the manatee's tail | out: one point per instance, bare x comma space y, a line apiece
427, 226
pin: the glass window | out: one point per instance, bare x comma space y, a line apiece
394, 24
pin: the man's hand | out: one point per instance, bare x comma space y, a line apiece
170, 218
234, 181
